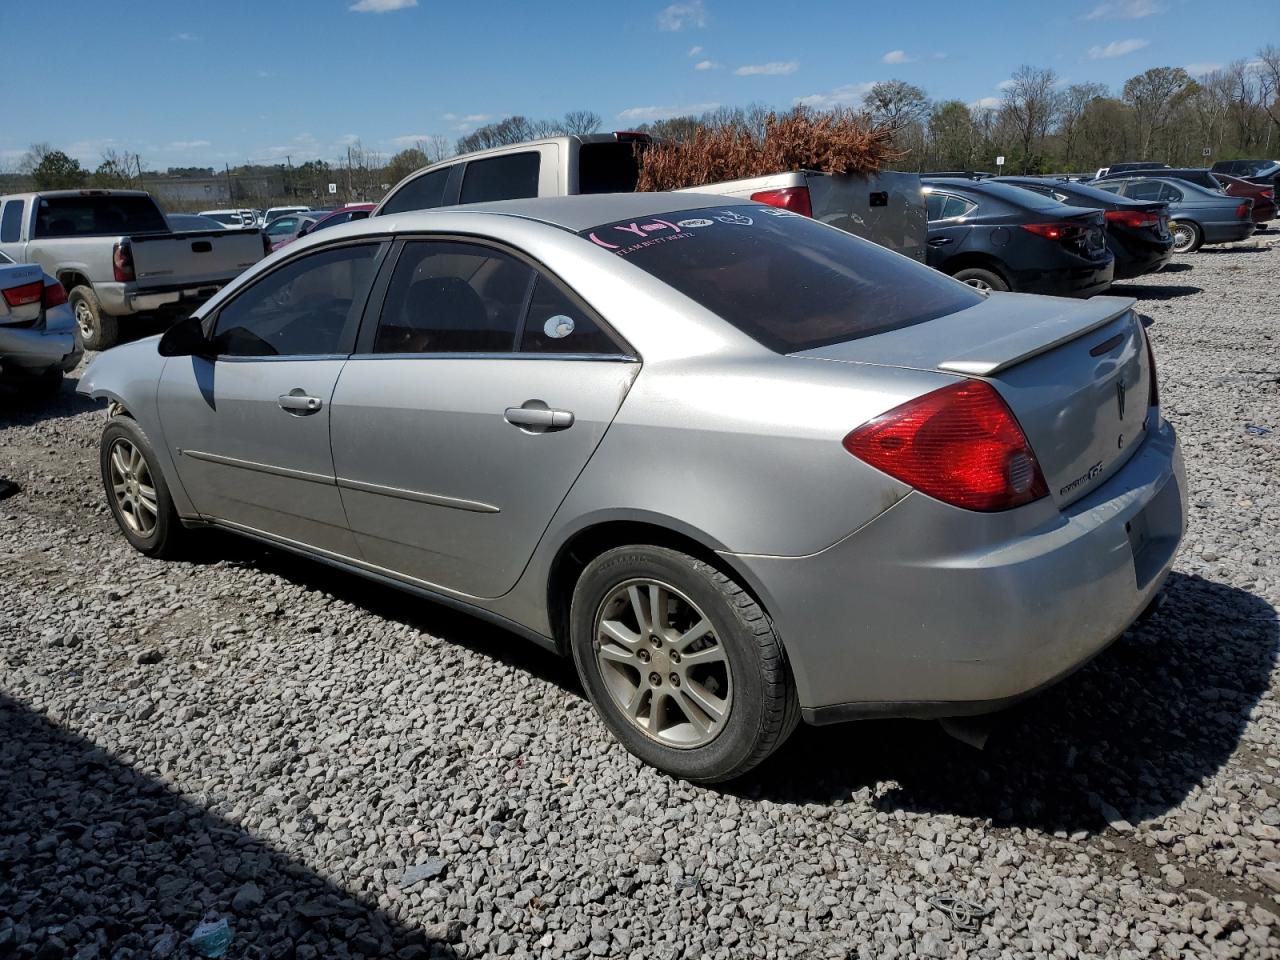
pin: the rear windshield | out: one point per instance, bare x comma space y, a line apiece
1018, 196
608, 167
786, 281
98, 216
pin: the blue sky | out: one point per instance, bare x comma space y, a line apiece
203, 83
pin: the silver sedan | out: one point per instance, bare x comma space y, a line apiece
745, 468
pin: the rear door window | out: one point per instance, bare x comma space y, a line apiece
1144, 190
511, 177
1170, 194
784, 280
423, 193
11, 221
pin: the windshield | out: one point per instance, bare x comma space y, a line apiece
97, 216
783, 279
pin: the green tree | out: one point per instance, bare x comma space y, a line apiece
404, 163
1154, 95
952, 135
57, 171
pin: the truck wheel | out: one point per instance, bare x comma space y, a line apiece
98, 330
682, 664
984, 280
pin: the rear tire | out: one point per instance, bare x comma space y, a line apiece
100, 331
137, 493
1187, 236
984, 280
650, 678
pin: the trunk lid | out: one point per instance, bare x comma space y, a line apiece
193, 259
1076, 374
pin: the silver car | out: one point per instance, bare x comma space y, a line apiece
743, 466
39, 340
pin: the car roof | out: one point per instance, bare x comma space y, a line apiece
574, 213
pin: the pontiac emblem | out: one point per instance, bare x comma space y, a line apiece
1120, 389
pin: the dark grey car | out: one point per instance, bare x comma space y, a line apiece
1196, 216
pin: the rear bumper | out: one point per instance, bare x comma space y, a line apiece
1137, 259
1228, 232
933, 611
123, 299
36, 349
1082, 279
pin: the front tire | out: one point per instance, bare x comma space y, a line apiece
136, 491
1187, 236
984, 280
682, 664
100, 331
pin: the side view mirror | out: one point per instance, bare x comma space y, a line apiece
185, 339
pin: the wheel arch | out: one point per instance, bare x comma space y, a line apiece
979, 260
73, 277
586, 543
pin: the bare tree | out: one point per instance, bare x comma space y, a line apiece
1072, 104
1030, 106
1267, 70
896, 103
580, 122
1153, 95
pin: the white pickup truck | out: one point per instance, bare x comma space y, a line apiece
887, 208
114, 253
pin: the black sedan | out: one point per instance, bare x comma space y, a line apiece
1137, 231
994, 236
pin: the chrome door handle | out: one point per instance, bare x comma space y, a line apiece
299, 402
539, 418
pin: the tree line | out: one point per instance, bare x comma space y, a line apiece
1038, 124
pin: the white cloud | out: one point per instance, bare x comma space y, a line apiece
410, 139
644, 114
1125, 10
184, 37
694, 51
183, 145
849, 95
1006, 84
381, 6
897, 56
692, 13
986, 103
1117, 48
1200, 69
776, 68
706, 65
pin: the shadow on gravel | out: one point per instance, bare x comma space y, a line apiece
438, 620
1218, 250
94, 854
1153, 291
18, 408
1176, 267
1137, 729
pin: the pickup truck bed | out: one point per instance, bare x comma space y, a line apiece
114, 253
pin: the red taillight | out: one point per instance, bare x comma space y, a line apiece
1132, 218
55, 295
1269, 194
960, 444
1055, 231
122, 262
24, 295
1244, 209
795, 199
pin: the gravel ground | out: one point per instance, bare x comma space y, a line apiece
337, 770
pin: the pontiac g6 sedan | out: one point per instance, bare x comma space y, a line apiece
744, 467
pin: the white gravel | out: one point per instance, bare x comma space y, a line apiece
339, 770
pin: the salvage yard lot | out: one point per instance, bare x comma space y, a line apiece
341, 770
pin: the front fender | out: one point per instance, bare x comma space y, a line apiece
128, 377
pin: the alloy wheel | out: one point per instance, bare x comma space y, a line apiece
663, 664
133, 488
978, 284
1184, 236
84, 320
